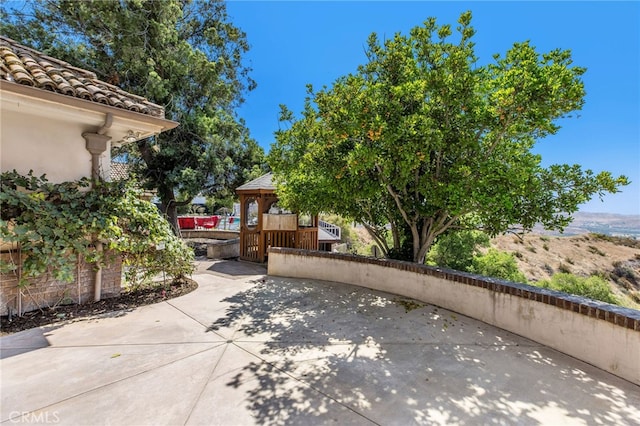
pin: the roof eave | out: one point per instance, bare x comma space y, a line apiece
256, 191
33, 92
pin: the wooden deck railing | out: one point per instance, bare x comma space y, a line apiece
307, 239
279, 239
254, 246
250, 246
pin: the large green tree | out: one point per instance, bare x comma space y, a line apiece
425, 139
184, 55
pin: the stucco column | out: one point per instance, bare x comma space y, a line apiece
96, 145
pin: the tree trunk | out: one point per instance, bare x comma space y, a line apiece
424, 249
429, 234
169, 208
415, 236
396, 236
168, 205
379, 239
172, 217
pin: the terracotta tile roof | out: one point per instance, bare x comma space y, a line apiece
26, 66
119, 171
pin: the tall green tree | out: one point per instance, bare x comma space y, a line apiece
424, 139
185, 55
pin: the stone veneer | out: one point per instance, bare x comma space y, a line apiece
44, 291
550, 317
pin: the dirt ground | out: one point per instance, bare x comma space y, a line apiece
541, 256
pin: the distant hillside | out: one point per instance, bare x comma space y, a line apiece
614, 254
600, 223
615, 258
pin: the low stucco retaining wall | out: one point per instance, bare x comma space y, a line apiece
598, 333
215, 234
223, 249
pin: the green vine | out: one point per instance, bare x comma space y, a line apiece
54, 223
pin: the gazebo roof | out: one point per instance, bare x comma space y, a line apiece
263, 183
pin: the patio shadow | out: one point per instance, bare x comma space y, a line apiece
328, 346
24, 341
236, 269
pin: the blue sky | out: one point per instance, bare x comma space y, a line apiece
297, 43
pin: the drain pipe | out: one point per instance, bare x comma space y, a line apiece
97, 288
97, 145
108, 121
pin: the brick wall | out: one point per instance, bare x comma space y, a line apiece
45, 291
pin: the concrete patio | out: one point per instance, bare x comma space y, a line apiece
245, 348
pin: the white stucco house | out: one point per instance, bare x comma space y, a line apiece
60, 120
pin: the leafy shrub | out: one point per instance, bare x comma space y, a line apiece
54, 223
457, 249
623, 271
564, 268
624, 275
621, 241
593, 287
498, 264
596, 250
404, 252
